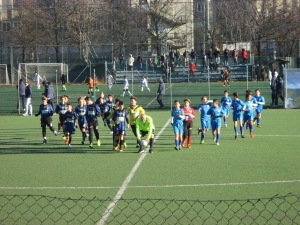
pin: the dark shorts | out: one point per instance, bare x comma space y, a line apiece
119, 132
46, 121
144, 133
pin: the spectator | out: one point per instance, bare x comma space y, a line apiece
161, 92
192, 69
273, 88
275, 73
244, 55
49, 92
262, 72
28, 96
203, 57
140, 62
279, 89
234, 55
172, 55
162, 58
177, 56
186, 57
121, 60
193, 56
130, 62
21, 90
226, 52
155, 62
217, 57
163, 68
37, 78
257, 72
210, 55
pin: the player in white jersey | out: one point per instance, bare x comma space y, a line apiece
110, 81
126, 87
144, 84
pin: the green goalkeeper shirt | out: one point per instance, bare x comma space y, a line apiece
144, 126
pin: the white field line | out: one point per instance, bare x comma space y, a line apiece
155, 186
124, 186
155, 98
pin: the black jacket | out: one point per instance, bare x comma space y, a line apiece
161, 88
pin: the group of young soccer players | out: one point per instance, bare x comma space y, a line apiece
86, 116
247, 112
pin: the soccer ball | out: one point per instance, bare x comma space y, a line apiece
144, 143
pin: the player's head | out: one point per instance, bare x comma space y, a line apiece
176, 104
133, 100
69, 107
143, 117
81, 101
235, 95
66, 98
101, 100
125, 77
249, 92
248, 96
215, 102
101, 94
88, 100
257, 92
187, 102
226, 93
204, 99
110, 97
26, 83
117, 101
121, 105
143, 77
44, 100
62, 99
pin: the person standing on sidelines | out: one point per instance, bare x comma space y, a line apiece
134, 111
110, 81
37, 78
46, 111
145, 127
28, 96
177, 117
238, 106
144, 84
189, 114
216, 114
225, 105
92, 114
260, 104
161, 92
49, 92
130, 62
21, 92
126, 87
205, 118
63, 81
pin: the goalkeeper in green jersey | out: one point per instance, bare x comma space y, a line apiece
145, 128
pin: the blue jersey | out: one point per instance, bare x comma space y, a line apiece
81, 112
102, 107
253, 99
260, 99
92, 112
70, 119
204, 108
45, 110
178, 116
107, 108
249, 110
226, 107
61, 109
237, 105
216, 113
120, 117
97, 102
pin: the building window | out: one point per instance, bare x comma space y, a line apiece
6, 26
200, 7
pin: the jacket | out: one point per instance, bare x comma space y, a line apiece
192, 67
161, 88
244, 54
21, 88
28, 91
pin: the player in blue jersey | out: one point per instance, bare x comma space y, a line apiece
92, 114
61, 109
177, 117
46, 111
120, 118
70, 124
225, 105
216, 113
249, 113
238, 106
106, 112
260, 104
80, 110
204, 118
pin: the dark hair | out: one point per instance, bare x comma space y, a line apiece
176, 101
235, 94
117, 100
133, 97
247, 95
225, 91
121, 103
215, 100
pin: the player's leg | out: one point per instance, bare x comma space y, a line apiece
218, 135
241, 126
90, 129
129, 93
142, 87
189, 133
96, 132
151, 142
121, 140
176, 132
43, 125
185, 132
258, 118
133, 128
116, 139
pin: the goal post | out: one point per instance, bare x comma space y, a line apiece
4, 78
48, 71
292, 88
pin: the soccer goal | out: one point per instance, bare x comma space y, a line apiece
48, 71
4, 78
292, 88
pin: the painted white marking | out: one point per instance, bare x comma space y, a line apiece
155, 186
124, 186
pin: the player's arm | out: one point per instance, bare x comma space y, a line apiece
192, 115
262, 101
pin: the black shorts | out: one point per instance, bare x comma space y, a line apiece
188, 124
125, 89
82, 125
144, 133
93, 123
46, 121
119, 132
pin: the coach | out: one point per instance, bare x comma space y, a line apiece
161, 92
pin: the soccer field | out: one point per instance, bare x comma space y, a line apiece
250, 168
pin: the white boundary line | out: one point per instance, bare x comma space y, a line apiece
124, 186
156, 186
155, 98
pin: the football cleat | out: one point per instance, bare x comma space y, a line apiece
82, 142
214, 139
91, 145
63, 137
188, 146
218, 143
98, 142
254, 122
140, 151
124, 145
176, 148
251, 134
235, 136
150, 151
225, 124
69, 146
137, 146
116, 148
202, 142
199, 131
45, 141
243, 136
55, 133
121, 149
258, 125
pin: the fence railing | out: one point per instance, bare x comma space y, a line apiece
34, 209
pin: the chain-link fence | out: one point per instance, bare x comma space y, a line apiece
34, 209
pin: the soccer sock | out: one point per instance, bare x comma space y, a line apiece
183, 140
30, 109
142, 88
123, 93
70, 138
218, 138
258, 121
109, 126
225, 120
148, 89
121, 143
235, 129
129, 93
242, 129
151, 142
179, 142
189, 140
176, 142
83, 136
58, 127
251, 127
202, 136
96, 134
255, 119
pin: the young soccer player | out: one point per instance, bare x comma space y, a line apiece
115, 107
70, 125
216, 114
144, 84
37, 78
134, 111
226, 77
91, 86
205, 118
126, 87
249, 113
177, 117
61, 109
145, 126
82, 122
92, 114
110, 81
46, 111
238, 106
119, 117
189, 114
108, 105
260, 104
225, 105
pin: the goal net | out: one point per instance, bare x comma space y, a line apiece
50, 72
4, 78
292, 88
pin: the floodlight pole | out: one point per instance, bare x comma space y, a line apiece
56, 87
94, 86
132, 80
247, 75
170, 88
208, 80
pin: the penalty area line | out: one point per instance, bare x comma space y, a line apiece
124, 186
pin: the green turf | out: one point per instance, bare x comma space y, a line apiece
234, 170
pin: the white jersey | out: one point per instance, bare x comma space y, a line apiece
37, 78
110, 79
270, 76
144, 82
126, 84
